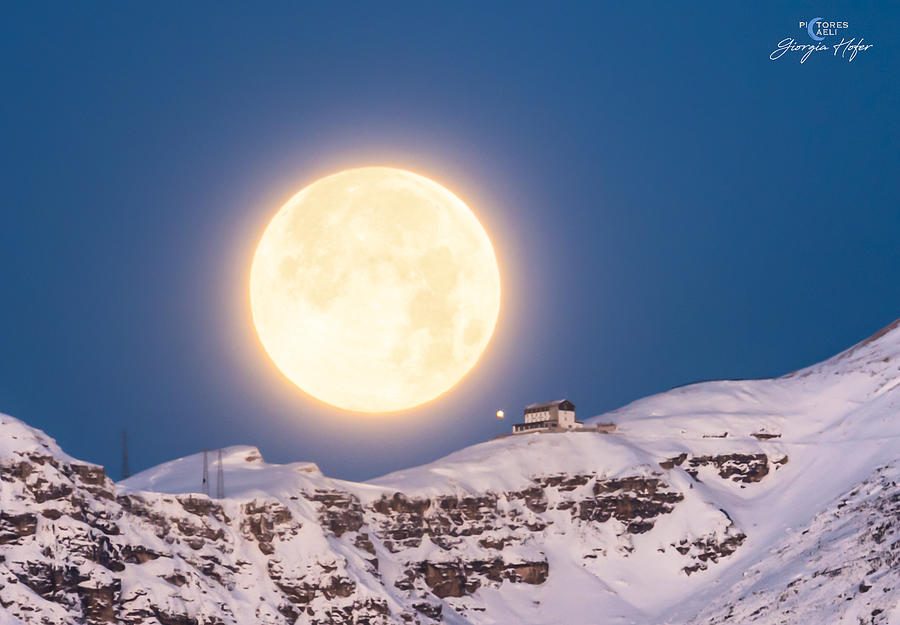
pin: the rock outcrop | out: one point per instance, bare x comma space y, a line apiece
76, 548
744, 501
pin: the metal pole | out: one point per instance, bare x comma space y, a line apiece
205, 488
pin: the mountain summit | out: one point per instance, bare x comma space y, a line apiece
755, 501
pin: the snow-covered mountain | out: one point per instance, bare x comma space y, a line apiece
761, 501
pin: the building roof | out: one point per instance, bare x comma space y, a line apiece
549, 404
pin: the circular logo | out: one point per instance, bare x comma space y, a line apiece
811, 26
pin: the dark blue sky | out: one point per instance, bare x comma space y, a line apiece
668, 204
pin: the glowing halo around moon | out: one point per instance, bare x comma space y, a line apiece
374, 289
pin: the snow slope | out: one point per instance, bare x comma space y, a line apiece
733, 501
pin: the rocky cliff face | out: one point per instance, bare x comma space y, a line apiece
840, 568
74, 547
762, 501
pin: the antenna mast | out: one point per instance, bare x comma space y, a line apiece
220, 480
126, 472
205, 488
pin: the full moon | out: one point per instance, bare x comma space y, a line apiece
375, 289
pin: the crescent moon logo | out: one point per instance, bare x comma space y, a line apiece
811, 25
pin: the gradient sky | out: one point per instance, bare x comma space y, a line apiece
668, 205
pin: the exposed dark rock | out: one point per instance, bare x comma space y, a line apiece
266, 521
533, 497
173, 619
301, 591
710, 548
671, 463
431, 610
400, 504
744, 468
90, 474
495, 543
564, 482
456, 579
362, 541
202, 506
635, 501
138, 554
99, 535
403, 522
340, 512
448, 580
16, 526
98, 603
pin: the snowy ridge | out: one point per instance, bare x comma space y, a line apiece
245, 471
17, 437
709, 504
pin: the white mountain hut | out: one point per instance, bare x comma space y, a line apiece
551, 416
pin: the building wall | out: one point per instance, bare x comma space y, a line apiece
522, 429
565, 417
544, 415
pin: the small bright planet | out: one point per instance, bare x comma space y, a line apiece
375, 289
